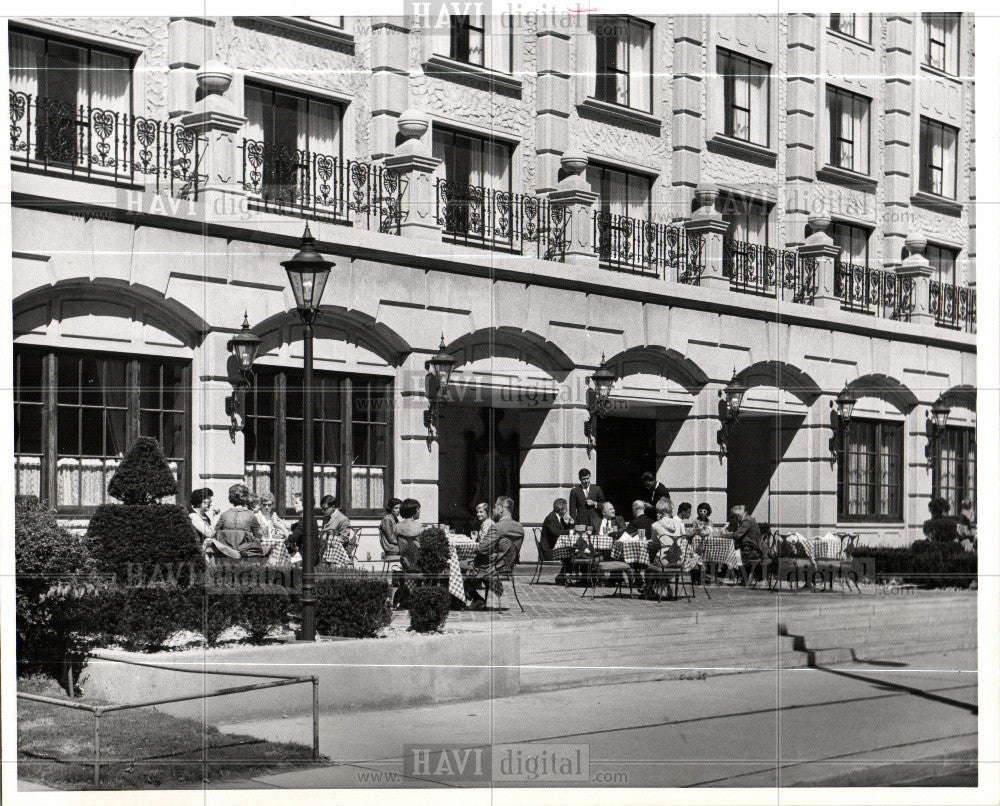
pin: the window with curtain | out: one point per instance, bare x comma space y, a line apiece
91, 407
943, 262
352, 428
66, 82
853, 242
624, 62
467, 38
747, 219
294, 131
473, 166
478, 39
941, 41
857, 26
746, 100
954, 470
870, 471
621, 193
849, 130
938, 158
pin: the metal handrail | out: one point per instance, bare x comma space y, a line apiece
647, 247
277, 680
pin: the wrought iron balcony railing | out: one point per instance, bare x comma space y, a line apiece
876, 292
769, 272
648, 248
496, 219
302, 182
51, 135
953, 306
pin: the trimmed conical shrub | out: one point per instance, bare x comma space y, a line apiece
143, 477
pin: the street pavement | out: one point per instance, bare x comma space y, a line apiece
853, 724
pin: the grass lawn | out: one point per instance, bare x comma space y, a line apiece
140, 748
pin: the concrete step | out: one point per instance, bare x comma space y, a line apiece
831, 655
846, 636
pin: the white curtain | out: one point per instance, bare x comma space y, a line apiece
498, 166
621, 61
861, 107
110, 78
324, 128
757, 224
25, 53
476, 43
617, 193
758, 97
638, 199
498, 33
639, 57
253, 108
949, 156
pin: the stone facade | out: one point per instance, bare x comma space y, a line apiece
137, 272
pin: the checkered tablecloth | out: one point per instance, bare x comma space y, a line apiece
633, 550
602, 542
563, 549
455, 585
464, 546
273, 545
716, 549
334, 552
827, 548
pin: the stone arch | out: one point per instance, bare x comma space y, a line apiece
783, 377
655, 359
512, 342
887, 388
336, 323
963, 395
167, 322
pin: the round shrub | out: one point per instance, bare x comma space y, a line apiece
143, 476
352, 604
434, 550
429, 608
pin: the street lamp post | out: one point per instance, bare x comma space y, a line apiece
308, 272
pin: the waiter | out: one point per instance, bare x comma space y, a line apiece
652, 491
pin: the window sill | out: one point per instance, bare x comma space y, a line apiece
848, 178
328, 32
937, 204
845, 524
936, 71
592, 107
741, 149
851, 39
472, 74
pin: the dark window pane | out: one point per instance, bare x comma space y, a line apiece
293, 441
294, 399
379, 446
28, 429
149, 424
173, 435
327, 444
149, 386
90, 382
360, 434
68, 379
29, 376
261, 447
92, 432
67, 431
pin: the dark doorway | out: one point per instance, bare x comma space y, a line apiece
755, 449
626, 448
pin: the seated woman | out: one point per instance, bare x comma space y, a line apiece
670, 531
237, 529
275, 533
408, 533
387, 527
202, 515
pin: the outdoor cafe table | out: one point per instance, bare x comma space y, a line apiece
461, 547
335, 553
719, 549
633, 550
818, 548
564, 548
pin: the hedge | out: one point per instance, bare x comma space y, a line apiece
434, 550
927, 564
429, 606
352, 604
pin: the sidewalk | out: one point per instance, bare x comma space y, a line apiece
723, 731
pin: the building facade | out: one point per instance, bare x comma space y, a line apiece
781, 204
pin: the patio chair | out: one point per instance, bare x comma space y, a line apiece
388, 560
599, 565
536, 577
672, 572
506, 572
351, 546
785, 564
842, 568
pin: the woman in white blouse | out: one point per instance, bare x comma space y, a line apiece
202, 515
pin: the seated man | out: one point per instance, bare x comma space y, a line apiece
556, 524
748, 539
496, 551
640, 520
610, 524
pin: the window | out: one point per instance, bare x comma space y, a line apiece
747, 219
954, 471
468, 38
938, 158
853, 243
870, 472
857, 26
90, 408
849, 130
943, 261
293, 130
67, 81
621, 193
941, 41
473, 166
352, 430
745, 97
624, 64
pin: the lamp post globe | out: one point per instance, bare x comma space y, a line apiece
734, 396
845, 405
940, 412
603, 379
308, 272
441, 365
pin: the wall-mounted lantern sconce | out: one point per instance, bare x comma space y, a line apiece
244, 345
730, 402
936, 423
603, 379
439, 368
840, 417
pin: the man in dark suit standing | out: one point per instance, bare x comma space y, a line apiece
749, 541
556, 524
586, 501
652, 491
